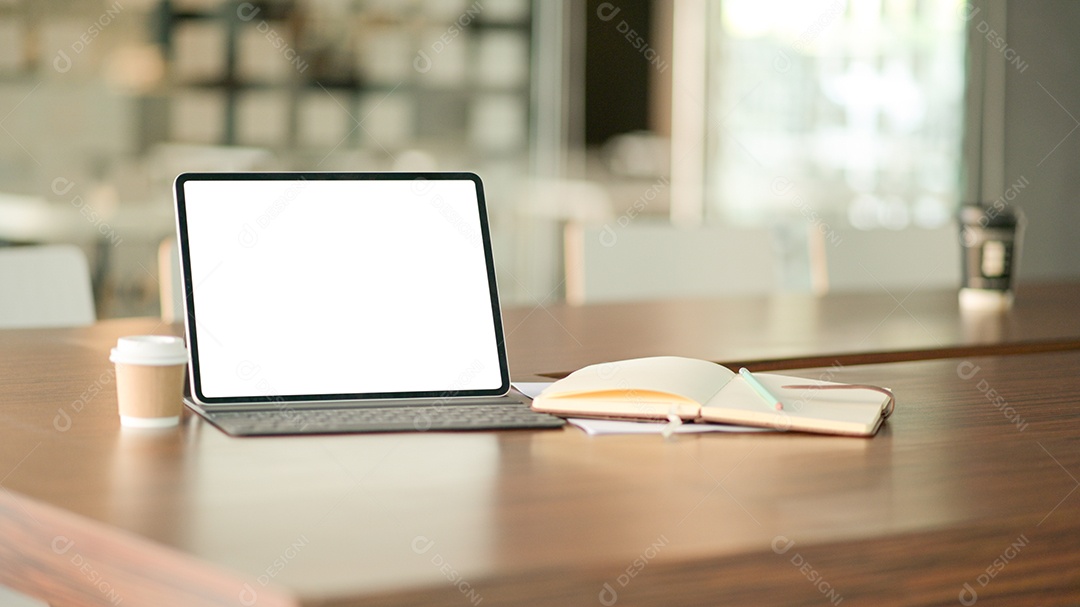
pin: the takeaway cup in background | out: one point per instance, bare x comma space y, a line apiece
990, 238
149, 380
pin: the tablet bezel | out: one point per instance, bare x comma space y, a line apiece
191, 328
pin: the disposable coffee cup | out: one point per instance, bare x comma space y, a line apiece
990, 237
149, 380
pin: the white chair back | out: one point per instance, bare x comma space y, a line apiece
45, 286
654, 259
898, 261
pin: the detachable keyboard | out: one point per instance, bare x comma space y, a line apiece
284, 419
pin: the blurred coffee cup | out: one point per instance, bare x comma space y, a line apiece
990, 237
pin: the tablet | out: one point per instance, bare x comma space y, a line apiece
338, 286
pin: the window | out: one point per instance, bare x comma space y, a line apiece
834, 111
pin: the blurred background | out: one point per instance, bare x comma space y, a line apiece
630, 149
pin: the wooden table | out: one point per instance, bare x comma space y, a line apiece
791, 330
972, 482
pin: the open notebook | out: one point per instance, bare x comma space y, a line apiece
701, 391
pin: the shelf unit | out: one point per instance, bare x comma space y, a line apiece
295, 77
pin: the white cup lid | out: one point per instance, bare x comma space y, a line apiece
159, 350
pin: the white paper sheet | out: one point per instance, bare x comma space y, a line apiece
607, 427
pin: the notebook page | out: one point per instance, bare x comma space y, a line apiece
839, 411
691, 379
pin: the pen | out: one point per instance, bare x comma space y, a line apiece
760, 389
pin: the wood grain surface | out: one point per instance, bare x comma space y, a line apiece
791, 330
970, 486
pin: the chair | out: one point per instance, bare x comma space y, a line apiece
646, 259
45, 286
846, 260
170, 287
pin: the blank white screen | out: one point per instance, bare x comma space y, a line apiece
316, 287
